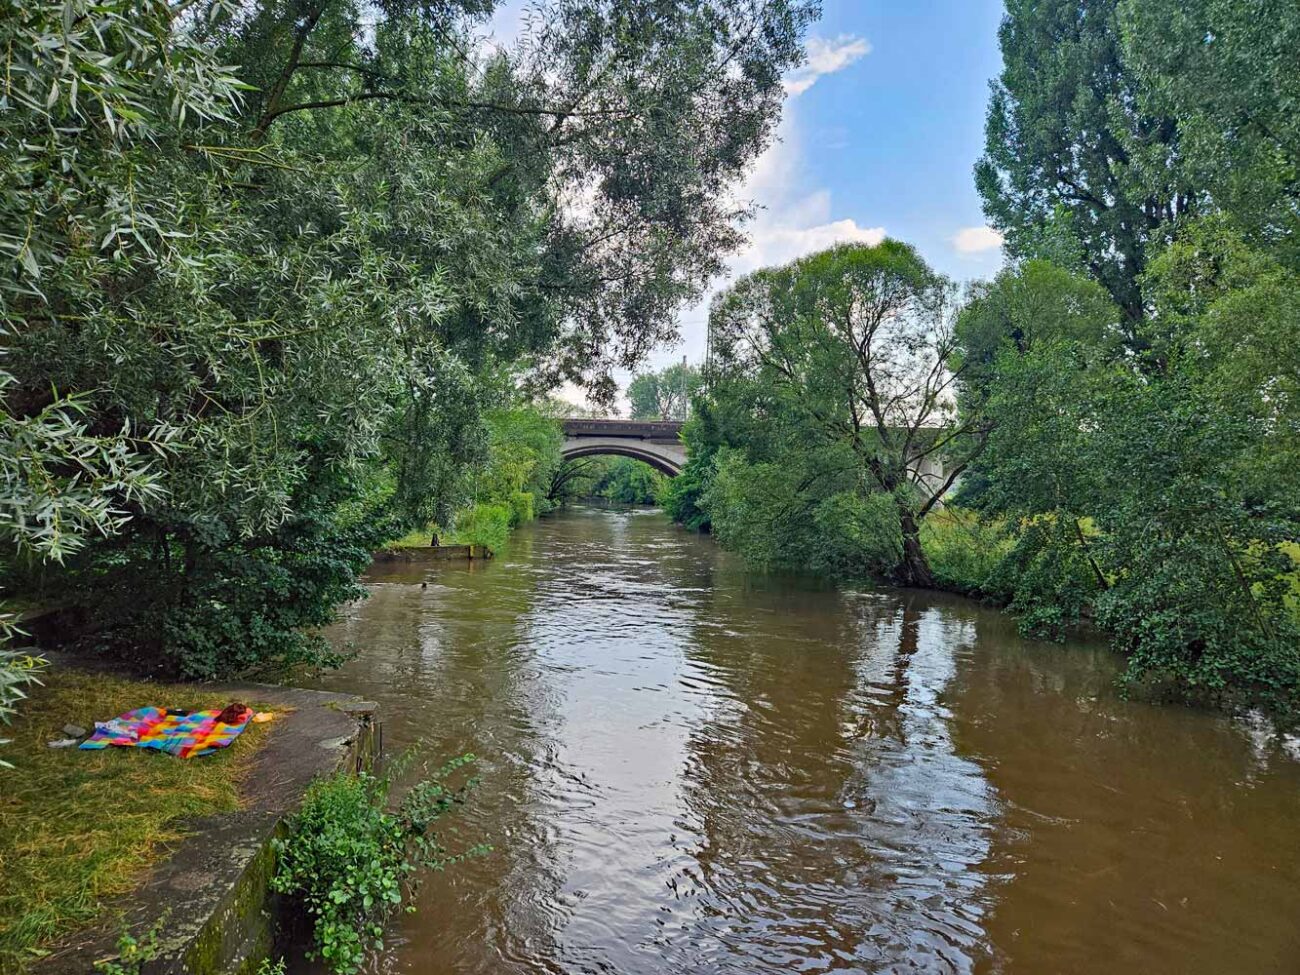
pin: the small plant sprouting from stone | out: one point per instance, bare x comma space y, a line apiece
350, 861
133, 952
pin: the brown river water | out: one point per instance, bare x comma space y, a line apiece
689, 767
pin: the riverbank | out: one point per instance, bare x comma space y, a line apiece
95, 844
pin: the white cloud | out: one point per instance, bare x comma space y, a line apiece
976, 240
802, 226
826, 57
793, 219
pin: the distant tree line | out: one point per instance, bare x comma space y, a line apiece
663, 395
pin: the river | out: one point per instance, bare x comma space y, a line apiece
688, 767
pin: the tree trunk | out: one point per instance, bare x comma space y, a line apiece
913, 569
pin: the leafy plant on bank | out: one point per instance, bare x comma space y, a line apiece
133, 953
486, 525
351, 862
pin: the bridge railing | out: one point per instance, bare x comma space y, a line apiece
631, 429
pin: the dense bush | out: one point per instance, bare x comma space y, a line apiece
760, 511
487, 525
236, 606
350, 862
628, 481
521, 508
682, 497
966, 551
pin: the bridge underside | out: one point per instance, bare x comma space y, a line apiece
665, 458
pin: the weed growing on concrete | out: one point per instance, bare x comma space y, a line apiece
132, 952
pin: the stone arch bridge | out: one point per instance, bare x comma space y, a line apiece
657, 442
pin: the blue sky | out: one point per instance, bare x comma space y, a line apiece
879, 137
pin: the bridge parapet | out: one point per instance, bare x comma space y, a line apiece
655, 431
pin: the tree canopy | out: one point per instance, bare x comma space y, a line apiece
846, 354
272, 263
663, 395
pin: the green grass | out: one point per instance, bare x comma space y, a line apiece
419, 538
79, 827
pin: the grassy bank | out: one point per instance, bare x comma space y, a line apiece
79, 827
484, 524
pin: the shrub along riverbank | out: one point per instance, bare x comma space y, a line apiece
524, 476
521, 458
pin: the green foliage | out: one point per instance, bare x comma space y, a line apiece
628, 481
622, 480
663, 395
1157, 497
19, 669
64, 485
271, 270
521, 457
1147, 457
350, 862
132, 953
1077, 167
487, 525
835, 371
768, 513
204, 603
523, 452
682, 497
966, 551
1228, 71
521, 508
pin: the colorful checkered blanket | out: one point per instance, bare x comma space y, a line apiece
184, 733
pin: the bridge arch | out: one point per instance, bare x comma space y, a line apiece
656, 443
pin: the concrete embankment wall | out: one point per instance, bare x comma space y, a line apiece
440, 553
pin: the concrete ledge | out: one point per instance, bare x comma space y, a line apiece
441, 553
221, 917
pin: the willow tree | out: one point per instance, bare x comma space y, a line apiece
854, 346
287, 254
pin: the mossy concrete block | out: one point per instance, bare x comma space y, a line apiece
219, 915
